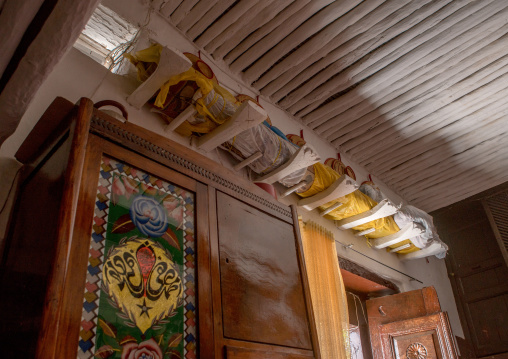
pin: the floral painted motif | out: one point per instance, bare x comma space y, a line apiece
145, 350
140, 291
149, 216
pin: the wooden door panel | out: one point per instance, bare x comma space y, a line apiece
426, 337
416, 346
488, 317
262, 295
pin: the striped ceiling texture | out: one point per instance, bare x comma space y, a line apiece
414, 90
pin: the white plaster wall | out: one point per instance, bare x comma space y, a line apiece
77, 76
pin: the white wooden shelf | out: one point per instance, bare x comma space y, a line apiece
246, 116
304, 157
409, 231
383, 209
172, 62
431, 250
343, 186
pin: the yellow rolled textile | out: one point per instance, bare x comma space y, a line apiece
352, 204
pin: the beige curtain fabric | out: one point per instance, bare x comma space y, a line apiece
329, 300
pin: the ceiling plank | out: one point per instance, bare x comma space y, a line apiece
234, 27
421, 124
310, 47
349, 52
356, 21
168, 7
196, 13
440, 100
246, 28
261, 33
182, 11
308, 28
237, 11
441, 136
417, 87
283, 30
393, 58
210, 16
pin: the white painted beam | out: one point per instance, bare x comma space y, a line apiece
409, 231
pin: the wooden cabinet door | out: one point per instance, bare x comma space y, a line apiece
410, 325
419, 338
261, 285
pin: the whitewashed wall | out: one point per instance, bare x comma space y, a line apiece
79, 76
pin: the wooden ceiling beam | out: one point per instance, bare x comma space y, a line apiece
308, 28
463, 102
314, 46
382, 31
452, 193
182, 11
196, 13
450, 157
232, 31
386, 65
416, 88
355, 22
286, 25
408, 173
208, 18
484, 116
228, 18
245, 28
261, 33
485, 81
168, 7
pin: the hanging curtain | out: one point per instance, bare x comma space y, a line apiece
328, 296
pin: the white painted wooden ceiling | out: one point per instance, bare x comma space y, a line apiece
414, 90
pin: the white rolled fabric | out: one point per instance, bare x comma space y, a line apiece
408, 214
276, 151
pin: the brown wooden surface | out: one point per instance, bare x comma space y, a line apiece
262, 294
52, 124
233, 352
431, 331
52, 309
360, 271
403, 309
282, 328
478, 274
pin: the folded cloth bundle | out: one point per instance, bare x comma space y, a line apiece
352, 204
276, 151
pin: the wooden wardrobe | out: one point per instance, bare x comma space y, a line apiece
91, 269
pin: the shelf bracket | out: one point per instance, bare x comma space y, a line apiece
343, 186
383, 209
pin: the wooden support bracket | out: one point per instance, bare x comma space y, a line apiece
248, 161
367, 231
407, 232
329, 209
431, 250
246, 116
343, 186
172, 62
189, 112
407, 245
383, 209
303, 158
296, 187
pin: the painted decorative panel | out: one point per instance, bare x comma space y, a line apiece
139, 299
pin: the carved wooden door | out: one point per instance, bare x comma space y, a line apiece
410, 326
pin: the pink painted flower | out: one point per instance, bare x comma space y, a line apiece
144, 350
118, 187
